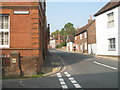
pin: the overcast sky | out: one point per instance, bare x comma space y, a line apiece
60, 13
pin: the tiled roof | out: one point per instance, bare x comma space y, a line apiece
108, 6
84, 28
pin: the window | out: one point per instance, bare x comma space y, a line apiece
80, 36
110, 20
85, 34
112, 45
4, 31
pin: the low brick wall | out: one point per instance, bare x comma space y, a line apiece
29, 66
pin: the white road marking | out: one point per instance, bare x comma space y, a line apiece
77, 85
65, 72
64, 87
73, 81
20, 81
61, 79
62, 82
58, 74
68, 75
71, 78
105, 65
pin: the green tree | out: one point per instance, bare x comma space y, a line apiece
53, 34
69, 29
62, 32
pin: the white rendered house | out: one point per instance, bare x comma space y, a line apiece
108, 30
70, 42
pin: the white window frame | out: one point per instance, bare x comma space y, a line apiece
111, 45
110, 22
6, 30
80, 36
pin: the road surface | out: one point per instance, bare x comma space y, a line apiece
79, 71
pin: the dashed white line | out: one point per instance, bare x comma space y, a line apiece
65, 72
62, 82
77, 85
68, 75
59, 75
72, 80
105, 65
61, 79
64, 87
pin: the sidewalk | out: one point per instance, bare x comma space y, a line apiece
110, 57
51, 65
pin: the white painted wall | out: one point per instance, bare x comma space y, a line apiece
52, 43
103, 33
119, 30
71, 46
92, 49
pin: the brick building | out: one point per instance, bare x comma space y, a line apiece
85, 38
23, 29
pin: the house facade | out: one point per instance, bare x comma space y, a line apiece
85, 38
56, 40
23, 29
70, 42
52, 43
107, 29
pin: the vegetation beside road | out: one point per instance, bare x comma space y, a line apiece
23, 77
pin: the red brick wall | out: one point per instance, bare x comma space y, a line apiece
92, 33
80, 42
18, 3
91, 37
27, 33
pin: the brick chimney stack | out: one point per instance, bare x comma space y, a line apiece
90, 19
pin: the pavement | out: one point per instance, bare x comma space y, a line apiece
97, 56
51, 65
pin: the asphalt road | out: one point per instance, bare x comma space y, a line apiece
79, 71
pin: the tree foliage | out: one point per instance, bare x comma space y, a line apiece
68, 29
54, 34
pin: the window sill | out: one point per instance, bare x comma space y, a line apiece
111, 50
4, 46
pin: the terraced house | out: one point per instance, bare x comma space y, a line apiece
108, 29
85, 38
23, 29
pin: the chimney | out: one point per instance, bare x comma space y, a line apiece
90, 19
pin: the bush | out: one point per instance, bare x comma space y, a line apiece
61, 44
